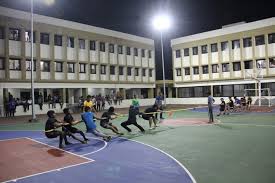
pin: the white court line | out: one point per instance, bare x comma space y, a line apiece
186, 170
57, 169
12, 138
243, 124
105, 144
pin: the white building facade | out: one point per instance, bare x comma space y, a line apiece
71, 59
222, 61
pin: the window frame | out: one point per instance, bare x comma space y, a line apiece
204, 49
187, 71
15, 68
81, 44
73, 68
70, 42
92, 45
57, 40
102, 46
259, 42
81, 66
43, 36
178, 72
12, 36
43, 67
93, 68
112, 70
103, 70
196, 68
195, 50
56, 64
29, 61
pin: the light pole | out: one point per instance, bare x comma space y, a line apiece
161, 23
32, 88
48, 2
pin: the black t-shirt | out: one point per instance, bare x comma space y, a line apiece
222, 105
231, 103
150, 110
106, 115
132, 114
68, 118
50, 124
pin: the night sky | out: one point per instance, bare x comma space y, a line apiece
135, 16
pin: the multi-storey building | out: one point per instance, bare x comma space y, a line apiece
222, 61
71, 59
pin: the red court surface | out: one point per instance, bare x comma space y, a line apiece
24, 157
185, 121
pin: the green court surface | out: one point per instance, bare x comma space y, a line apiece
240, 148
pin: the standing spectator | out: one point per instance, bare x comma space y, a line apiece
25, 104
29, 101
98, 102
102, 103
81, 103
135, 104
210, 107
50, 101
40, 101
60, 101
55, 100
88, 102
7, 108
158, 102
12, 107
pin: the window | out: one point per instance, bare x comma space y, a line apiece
195, 50
201, 91
225, 67
142, 53
187, 71
58, 67
186, 92
111, 48
70, 42
15, 64
136, 52
271, 38
204, 49
44, 38
248, 64
70, 67
28, 36
177, 53
29, 65
136, 72
120, 70
205, 69
57, 40
93, 69
103, 69
45, 66
235, 44
82, 68
119, 49
260, 63
112, 70
81, 43
150, 54
259, 40
215, 68
143, 72
247, 42
236, 66
92, 45
214, 47
128, 50
14, 34
129, 71
150, 72
224, 45
2, 33
272, 63
186, 52
178, 72
196, 70
102, 46
2, 63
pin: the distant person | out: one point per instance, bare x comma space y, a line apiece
40, 101
135, 104
222, 107
88, 102
132, 120
249, 102
210, 107
159, 100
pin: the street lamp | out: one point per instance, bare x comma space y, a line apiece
162, 23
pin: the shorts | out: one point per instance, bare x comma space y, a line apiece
147, 117
106, 125
53, 134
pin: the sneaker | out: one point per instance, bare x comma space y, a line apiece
61, 146
84, 142
121, 134
68, 143
86, 139
151, 128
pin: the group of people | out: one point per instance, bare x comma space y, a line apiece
234, 104
89, 117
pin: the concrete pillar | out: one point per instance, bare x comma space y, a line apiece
2, 104
64, 95
211, 90
71, 95
151, 93
170, 92
84, 92
177, 92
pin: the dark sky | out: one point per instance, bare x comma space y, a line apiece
135, 16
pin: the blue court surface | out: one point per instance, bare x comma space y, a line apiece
118, 161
